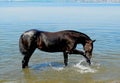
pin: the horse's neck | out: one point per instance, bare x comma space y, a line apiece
82, 39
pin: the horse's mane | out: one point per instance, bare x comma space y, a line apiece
79, 33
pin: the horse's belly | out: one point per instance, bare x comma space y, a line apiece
53, 48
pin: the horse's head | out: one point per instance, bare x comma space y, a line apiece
88, 47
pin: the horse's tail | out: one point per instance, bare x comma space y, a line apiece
22, 47
27, 41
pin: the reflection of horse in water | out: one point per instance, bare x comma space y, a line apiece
62, 41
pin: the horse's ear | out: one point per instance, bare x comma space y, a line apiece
93, 40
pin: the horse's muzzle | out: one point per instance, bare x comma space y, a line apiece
87, 59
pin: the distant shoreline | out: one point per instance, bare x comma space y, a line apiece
66, 1
54, 4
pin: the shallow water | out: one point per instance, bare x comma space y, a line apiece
101, 23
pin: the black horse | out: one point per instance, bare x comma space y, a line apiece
62, 41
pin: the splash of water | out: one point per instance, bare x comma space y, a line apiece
82, 67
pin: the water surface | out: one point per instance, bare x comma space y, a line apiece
99, 22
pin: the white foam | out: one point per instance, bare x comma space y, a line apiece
84, 68
58, 68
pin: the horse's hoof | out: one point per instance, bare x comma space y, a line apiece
89, 62
23, 67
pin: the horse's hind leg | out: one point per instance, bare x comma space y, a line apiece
26, 57
27, 45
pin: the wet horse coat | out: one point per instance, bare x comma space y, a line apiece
62, 41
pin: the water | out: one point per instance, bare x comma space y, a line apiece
99, 22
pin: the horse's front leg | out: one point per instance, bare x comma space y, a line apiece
81, 53
65, 54
74, 51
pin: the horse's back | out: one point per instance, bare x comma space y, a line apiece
56, 41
